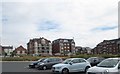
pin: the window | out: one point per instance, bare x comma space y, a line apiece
61, 44
81, 60
65, 40
51, 59
42, 51
68, 44
57, 59
23, 52
18, 52
47, 47
73, 44
75, 61
65, 47
68, 47
64, 44
43, 48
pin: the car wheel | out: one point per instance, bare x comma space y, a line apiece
44, 67
86, 69
65, 71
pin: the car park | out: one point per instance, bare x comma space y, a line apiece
95, 60
107, 66
48, 63
71, 65
33, 64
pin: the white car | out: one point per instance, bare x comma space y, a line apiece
107, 66
71, 65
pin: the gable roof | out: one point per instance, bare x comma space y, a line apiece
20, 48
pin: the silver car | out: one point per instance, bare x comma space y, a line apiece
71, 65
107, 66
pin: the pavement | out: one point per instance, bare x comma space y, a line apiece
20, 67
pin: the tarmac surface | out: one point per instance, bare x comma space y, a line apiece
20, 67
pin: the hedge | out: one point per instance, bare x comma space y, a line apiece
35, 58
25, 58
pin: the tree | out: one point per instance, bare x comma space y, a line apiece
12, 54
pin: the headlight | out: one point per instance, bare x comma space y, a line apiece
41, 63
106, 71
58, 67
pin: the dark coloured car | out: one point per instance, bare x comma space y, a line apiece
95, 60
33, 64
48, 63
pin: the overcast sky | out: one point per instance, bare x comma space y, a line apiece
89, 22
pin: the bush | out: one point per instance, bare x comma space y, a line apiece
20, 58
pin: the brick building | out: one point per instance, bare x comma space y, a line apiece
63, 46
20, 51
39, 46
108, 47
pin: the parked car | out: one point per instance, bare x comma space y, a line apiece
71, 65
107, 66
48, 63
95, 60
33, 64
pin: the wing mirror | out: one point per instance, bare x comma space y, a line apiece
71, 63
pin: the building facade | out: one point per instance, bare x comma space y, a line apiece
108, 47
39, 46
20, 51
82, 50
7, 50
63, 47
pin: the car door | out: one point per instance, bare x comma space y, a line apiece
50, 62
82, 65
54, 61
74, 65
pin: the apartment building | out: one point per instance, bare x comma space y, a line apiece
39, 46
63, 46
108, 47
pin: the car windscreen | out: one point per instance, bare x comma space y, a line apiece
66, 61
109, 63
41, 60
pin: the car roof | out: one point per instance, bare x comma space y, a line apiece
114, 58
96, 57
75, 58
53, 58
